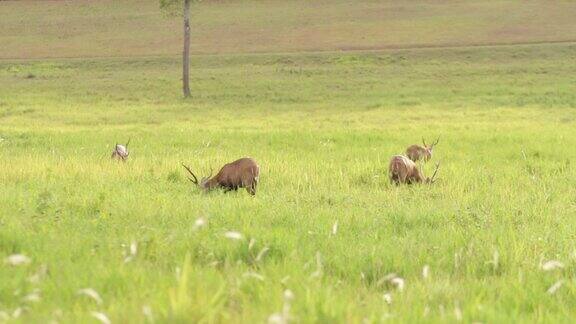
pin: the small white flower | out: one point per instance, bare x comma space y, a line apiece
335, 228
262, 253
388, 298
132, 251
234, 235
276, 318
93, 294
17, 312
17, 259
147, 312
39, 275
426, 272
32, 297
495, 260
133, 248
251, 244
199, 223
458, 313
552, 265
398, 283
101, 317
554, 288
253, 275
288, 295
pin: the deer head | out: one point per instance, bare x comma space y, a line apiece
121, 151
429, 148
203, 183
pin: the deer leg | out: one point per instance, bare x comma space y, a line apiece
403, 179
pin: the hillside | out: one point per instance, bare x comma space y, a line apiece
48, 29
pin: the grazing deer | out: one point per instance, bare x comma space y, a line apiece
121, 151
416, 152
242, 173
404, 170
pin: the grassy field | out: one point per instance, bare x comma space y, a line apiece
325, 224
86, 28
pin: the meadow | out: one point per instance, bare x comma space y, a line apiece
326, 239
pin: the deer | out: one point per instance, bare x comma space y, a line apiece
416, 152
120, 152
242, 173
403, 170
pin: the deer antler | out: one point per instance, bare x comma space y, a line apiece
209, 176
437, 140
433, 178
195, 180
424, 142
126, 146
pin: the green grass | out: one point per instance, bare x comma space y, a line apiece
323, 128
41, 29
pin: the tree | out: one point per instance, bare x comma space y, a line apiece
170, 6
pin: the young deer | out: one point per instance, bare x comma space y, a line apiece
404, 170
121, 152
416, 152
242, 173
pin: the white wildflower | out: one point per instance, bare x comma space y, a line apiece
288, 295
234, 235
285, 280
17, 259
132, 251
495, 260
426, 311
426, 272
39, 275
335, 228
398, 283
253, 275
147, 312
199, 223
388, 298
458, 313
276, 318
262, 253
91, 293
554, 288
101, 317
552, 265
32, 297
251, 244
17, 312
319, 267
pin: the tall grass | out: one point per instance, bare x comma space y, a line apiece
322, 128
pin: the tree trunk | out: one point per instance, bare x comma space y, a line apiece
186, 54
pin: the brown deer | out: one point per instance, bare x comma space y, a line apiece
242, 173
404, 170
416, 152
121, 152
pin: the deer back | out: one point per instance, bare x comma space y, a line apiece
240, 173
